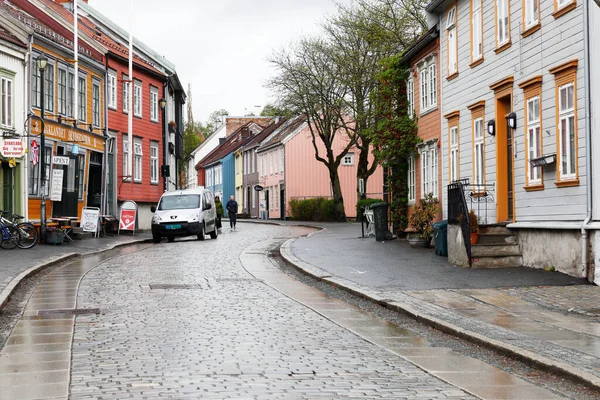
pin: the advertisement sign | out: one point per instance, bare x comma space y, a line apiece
58, 160
56, 185
127, 220
12, 148
89, 219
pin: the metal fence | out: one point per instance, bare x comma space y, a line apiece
458, 212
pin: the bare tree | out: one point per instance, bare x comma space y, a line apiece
307, 82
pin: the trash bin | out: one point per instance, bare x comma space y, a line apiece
380, 219
440, 235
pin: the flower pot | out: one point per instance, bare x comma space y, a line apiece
474, 238
418, 242
54, 237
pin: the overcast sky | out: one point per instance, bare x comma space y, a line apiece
220, 46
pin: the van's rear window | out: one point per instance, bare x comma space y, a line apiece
179, 202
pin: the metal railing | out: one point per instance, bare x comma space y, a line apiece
458, 212
479, 198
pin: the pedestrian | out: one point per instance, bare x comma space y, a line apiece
219, 208
232, 209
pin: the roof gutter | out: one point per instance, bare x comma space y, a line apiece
421, 43
432, 6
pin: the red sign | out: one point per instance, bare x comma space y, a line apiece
12, 148
127, 220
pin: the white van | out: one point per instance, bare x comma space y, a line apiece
184, 213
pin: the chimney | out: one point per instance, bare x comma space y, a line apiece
246, 132
222, 140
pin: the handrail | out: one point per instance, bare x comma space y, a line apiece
458, 212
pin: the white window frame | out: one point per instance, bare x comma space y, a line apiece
71, 93
567, 133
502, 22
112, 89
476, 31
153, 104
63, 97
82, 98
560, 4
534, 174
137, 159
137, 98
433, 175
410, 96
348, 159
153, 162
49, 88
532, 15
452, 41
412, 192
428, 79
454, 155
96, 103
36, 93
126, 174
425, 181
478, 154
7, 110
125, 92
282, 159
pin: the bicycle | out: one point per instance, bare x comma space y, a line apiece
10, 236
28, 233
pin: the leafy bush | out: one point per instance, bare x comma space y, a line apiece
364, 203
317, 209
423, 214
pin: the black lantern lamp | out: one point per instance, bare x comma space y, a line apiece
491, 127
162, 103
512, 120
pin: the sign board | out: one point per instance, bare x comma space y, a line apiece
56, 185
58, 160
258, 188
128, 216
90, 216
12, 148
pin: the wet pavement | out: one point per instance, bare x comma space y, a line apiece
545, 317
217, 319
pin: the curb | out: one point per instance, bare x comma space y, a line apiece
543, 362
16, 281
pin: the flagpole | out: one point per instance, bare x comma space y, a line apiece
130, 96
76, 59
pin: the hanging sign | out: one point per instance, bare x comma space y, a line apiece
12, 148
35, 153
58, 160
258, 188
57, 185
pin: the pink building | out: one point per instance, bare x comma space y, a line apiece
289, 170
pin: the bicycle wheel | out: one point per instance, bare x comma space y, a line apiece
11, 238
29, 235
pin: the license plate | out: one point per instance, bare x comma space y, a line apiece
176, 226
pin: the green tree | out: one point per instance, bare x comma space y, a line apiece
215, 119
271, 110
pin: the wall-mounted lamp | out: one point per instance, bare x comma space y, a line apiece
512, 120
491, 127
162, 103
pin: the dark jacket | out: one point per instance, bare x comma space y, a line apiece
232, 207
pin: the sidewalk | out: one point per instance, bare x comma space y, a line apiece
546, 318
17, 264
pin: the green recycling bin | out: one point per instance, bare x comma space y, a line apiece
380, 218
440, 236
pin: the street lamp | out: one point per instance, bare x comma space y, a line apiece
163, 105
42, 62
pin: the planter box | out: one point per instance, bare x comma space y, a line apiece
54, 237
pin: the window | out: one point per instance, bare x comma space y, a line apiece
137, 98
562, 6
428, 86
126, 173
253, 161
71, 93
478, 155
153, 162
433, 155
531, 15
452, 42
271, 162
112, 89
476, 31
348, 159
82, 173
96, 103
82, 99
153, 104
533, 139
35, 168
429, 171
566, 127
502, 23
282, 159
137, 162
6, 113
36, 86
49, 88
454, 155
126, 93
412, 196
62, 91
410, 96
425, 189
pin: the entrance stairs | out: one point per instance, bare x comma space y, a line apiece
497, 247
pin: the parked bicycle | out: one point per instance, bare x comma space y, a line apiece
27, 233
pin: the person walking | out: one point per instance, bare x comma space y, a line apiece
219, 208
232, 209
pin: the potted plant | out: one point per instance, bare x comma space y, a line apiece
421, 219
474, 227
54, 235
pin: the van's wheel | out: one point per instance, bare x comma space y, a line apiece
214, 233
201, 234
156, 238
171, 238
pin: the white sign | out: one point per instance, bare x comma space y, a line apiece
12, 148
57, 185
58, 160
89, 219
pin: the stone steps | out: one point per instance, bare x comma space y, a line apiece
497, 262
497, 247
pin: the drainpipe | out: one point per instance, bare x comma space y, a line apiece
588, 145
165, 130
105, 166
27, 99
